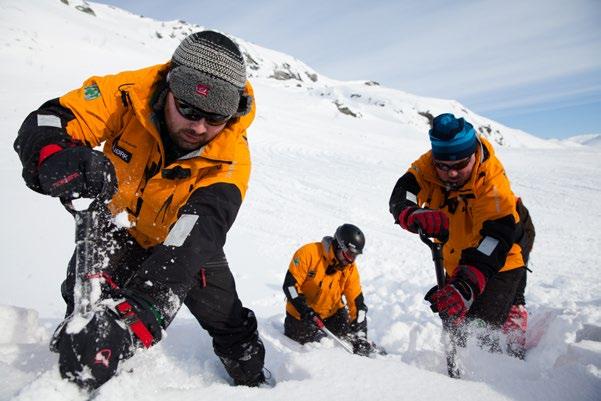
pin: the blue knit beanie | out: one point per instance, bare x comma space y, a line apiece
452, 138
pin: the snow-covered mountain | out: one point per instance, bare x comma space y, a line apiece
324, 152
101, 28
583, 140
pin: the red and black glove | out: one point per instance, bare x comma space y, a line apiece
434, 223
76, 172
309, 315
453, 301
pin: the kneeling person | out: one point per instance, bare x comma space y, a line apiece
320, 273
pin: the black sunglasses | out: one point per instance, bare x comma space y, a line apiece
192, 113
455, 166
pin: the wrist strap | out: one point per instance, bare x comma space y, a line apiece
129, 316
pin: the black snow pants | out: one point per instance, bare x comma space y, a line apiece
212, 299
303, 332
502, 291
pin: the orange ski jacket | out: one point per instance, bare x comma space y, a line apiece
483, 221
117, 111
323, 292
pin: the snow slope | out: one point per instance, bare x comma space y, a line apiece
315, 167
587, 139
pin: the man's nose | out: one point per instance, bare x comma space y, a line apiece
453, 173
199, 126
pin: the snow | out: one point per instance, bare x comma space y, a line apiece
586, 139
314, 169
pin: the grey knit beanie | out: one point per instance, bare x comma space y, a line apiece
208, 72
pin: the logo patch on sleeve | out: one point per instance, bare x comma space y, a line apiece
91, 92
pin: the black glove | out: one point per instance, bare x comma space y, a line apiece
361, 346
359, 325
78, 172
358, 338
306, 313
358, 335
309, 315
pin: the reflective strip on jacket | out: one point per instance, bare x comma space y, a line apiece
323, 292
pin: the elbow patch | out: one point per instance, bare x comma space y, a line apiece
491, 253
49, 120
411, 197
297, 300
181, 230
488, 245
289, 286
292, 292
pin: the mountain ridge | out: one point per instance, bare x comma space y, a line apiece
137, 38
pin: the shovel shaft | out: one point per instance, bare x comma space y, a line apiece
84, 263
449, 337
343, 344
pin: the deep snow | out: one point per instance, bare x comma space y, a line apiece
314, 168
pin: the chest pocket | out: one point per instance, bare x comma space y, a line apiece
312, 287
132, 153
330, 295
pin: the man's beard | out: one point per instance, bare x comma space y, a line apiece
184, 145
455, 185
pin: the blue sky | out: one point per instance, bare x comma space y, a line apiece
533, 65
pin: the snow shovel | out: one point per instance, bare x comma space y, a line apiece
321, 326
84, 257
448, 331
87, 284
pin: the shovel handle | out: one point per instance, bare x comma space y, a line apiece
449, 335
343, 344
436, 248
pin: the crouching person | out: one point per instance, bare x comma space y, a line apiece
320, 274
459, 191
176, 161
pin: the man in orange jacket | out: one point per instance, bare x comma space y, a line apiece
459, 191
318, 277
176, 164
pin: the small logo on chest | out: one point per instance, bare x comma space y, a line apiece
121, 153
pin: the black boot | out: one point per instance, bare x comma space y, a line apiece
247, 370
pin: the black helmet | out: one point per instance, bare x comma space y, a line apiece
349, 238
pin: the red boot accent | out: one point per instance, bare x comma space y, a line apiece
515, 327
